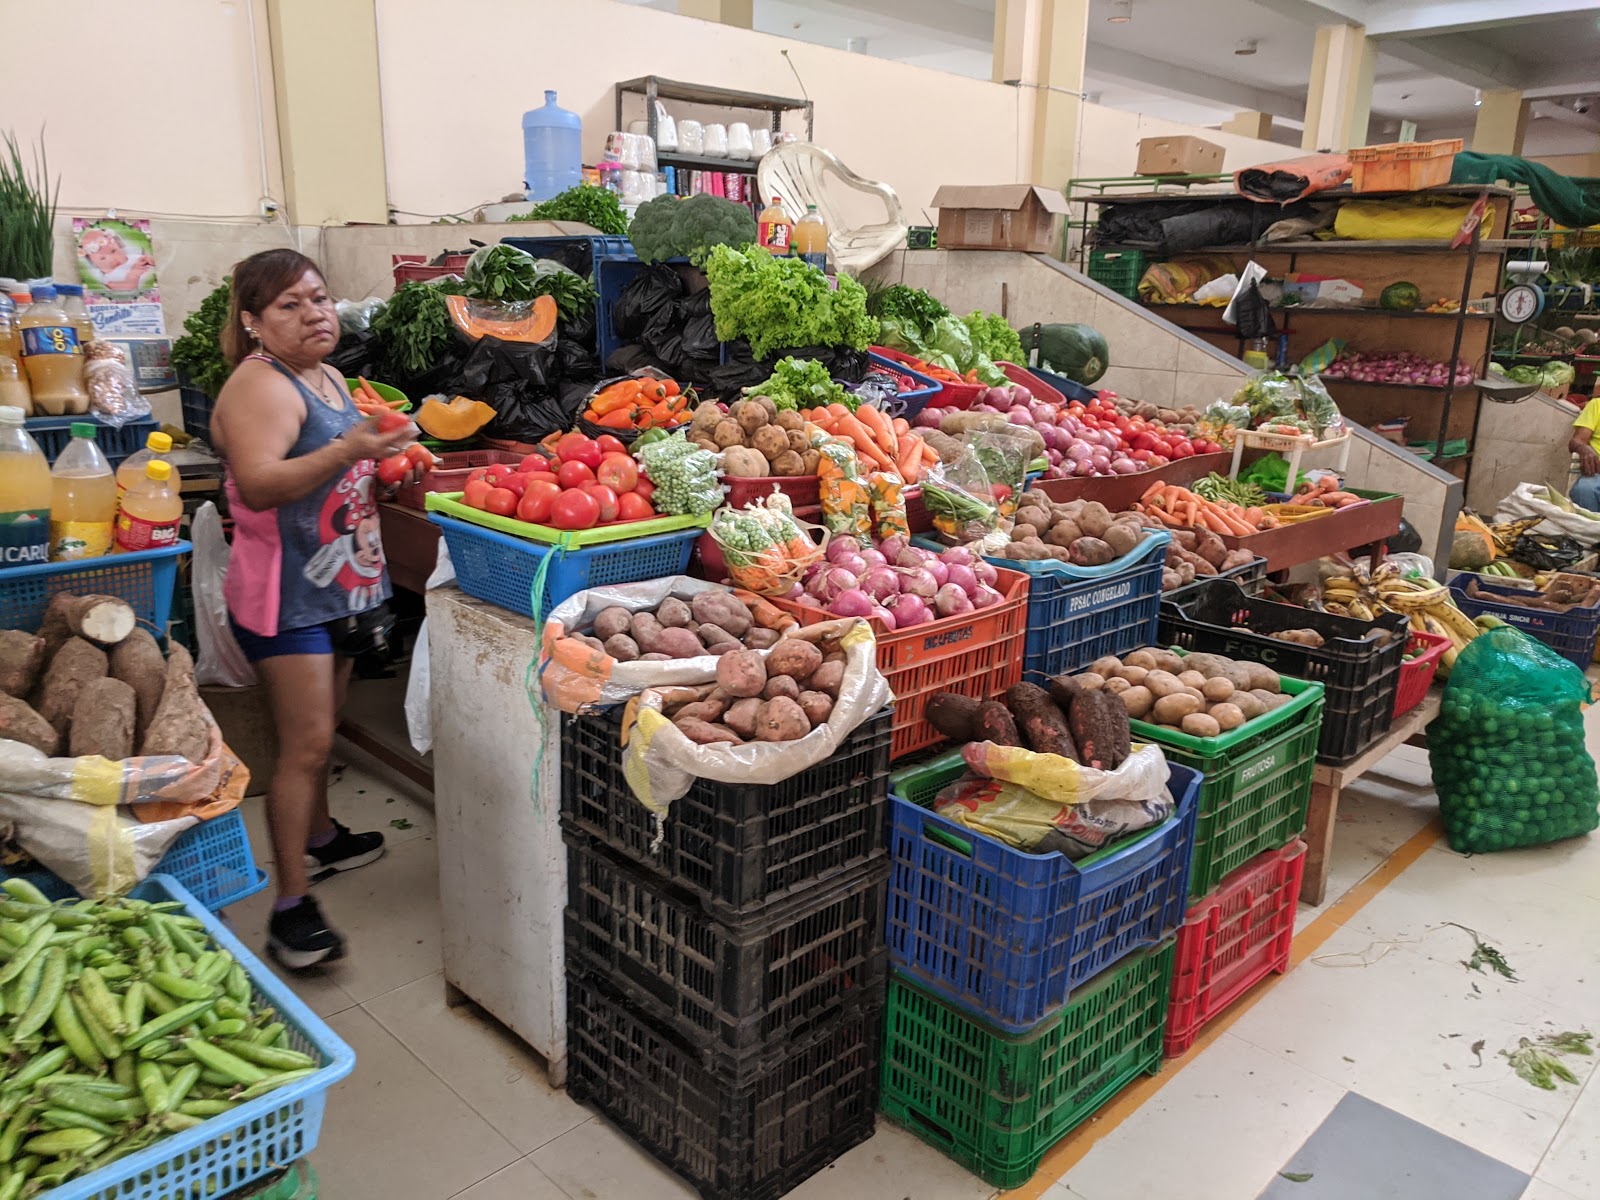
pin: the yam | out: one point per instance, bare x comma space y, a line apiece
137, 661
75, 664
1227, 716
780, 685
674, 613
1064, 688
817, 706
741, 673
594, 644
103, 720
182, 724
105, 620
704, 733
612, 621
709, 711
1201, 725
781, 720
678, 643
794, 658
994, 723
672, 699
713, 635
1040, 722
741, 716
622, 647
54, 628
1172, 709
21, 661
1138, 701
645, 629
827, 678
952, 715
722, 610
1099, 725
20, 723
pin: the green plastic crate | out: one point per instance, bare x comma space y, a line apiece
996, 1103
1257, 782
1119, 270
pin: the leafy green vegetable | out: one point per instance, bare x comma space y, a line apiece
1539, 1064
781, 303
27, 212
1298, 1176
197, 355
413, 329
991, 336
668, 227
913, 308
1485, 954
596, 207
804, 383
574, 295
501, 274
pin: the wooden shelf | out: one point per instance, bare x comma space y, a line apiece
1417, 246
1296, 310
1460, 189
1410, 387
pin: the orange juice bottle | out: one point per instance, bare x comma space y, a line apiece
24, 495
151, 510
774, 228
156, 447
83, 501
811, 238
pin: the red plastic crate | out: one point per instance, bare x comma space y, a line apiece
1416, 674
1235, 937
804, 491
973, 654
951, 395
451, 474
415, 268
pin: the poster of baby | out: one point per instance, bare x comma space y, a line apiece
115, 258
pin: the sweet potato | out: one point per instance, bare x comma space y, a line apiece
622, 647
612, 621
645, 629
654, 656
781, 720
19, 723
780, 685
722, 610
762, 639
708, 711
994, 723
741, 716
827, 678
672, 699
952, 715
673, 613
711, 635
182, 725
1041, 723
21, 661
679, 643
1099, 725
75, 664
741, 673
705, 733
137, 661
817, 706
103, 720
794, 658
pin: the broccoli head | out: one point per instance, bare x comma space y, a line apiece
669, 227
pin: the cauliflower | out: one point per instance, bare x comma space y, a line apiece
668, 227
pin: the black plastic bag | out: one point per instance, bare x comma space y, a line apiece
1253, 315
655, 288
1547, 552
517, 380
356, 354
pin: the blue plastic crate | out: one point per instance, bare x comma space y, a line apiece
53, 434
1007, 935
612, 274
502, 569
197, 410
1069, 389
213, 861
916, 400
581, 253
1570, 634
251, 1141
144, 578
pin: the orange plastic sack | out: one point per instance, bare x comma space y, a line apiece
1292, 179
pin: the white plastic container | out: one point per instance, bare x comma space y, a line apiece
739, 141
716, 141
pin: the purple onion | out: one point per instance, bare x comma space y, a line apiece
916, 581
939, 571
892, 547
957, 556
884, 615
985, 572
964, 578
852, 602
853, 563
951, 600
880, 583
909, 610
874, 558
985, 597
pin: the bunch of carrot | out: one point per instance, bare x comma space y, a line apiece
1325, 493
881, 444
640, 402
942, 374
1180, 508
367, 401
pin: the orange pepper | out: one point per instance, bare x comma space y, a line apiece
671, 386
620, 418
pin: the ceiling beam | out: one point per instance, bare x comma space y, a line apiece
972, 28
1320, 12
1168, 80
1430, 17
1459, 57
1560, 112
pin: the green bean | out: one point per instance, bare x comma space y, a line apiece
64, 1141
91, 1102
153, 1087
15, 1128
166, 1023
51, 983
40, 1066
180, 988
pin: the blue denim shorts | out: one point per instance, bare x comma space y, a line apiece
308, 639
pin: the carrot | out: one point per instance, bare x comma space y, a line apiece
838, 410
909, 460
901, 426
878, 425
1215, 522
857, 433
930, 456
1150, 493
369, 391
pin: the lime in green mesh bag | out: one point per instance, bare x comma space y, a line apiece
1507, 749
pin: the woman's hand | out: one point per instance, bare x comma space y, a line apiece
364, 441
1588, 460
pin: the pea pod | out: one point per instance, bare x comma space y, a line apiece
11, 1139
123, 1072
116, 972
92, 1103
104, 1040
238, 986
177, 1122
160, 1001
11, 1187
182, 1083
83, 948
20, 889
7, 1047
51, 982
153, 1087
272, 1083
228, 1007
155, 1048
42, 1065
34, 947
76, 1036
66, 1118
180, 937
167, 1022
132, 1006
97, 994
134, 937
64, 1141
206, 1108
231, 1027
268, 1056
180, 988
216, 1059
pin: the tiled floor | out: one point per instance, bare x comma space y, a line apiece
443, 1103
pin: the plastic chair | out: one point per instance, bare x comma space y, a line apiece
797, 173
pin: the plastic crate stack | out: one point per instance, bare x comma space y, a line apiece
1025, 989
725, 964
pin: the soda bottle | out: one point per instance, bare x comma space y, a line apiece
25, 489
150, 510
157, 446
83, 501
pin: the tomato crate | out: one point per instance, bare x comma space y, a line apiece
949, 395
415, 268
144, 578
735, 848
977, 654
1011, 936
1358, 664
754, 1139
1256, 781
1570, 634
451, 474
996, 1102
504, 570
734, 986
1417, 672
804, 491
1233, 939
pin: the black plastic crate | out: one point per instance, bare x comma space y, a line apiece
197, 410
736, 847
755, 1141
1358, 665
737, 987
1252, 577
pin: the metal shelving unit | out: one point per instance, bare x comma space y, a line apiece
654, 87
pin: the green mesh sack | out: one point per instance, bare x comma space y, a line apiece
1507, 749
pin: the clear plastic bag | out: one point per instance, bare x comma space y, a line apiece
220, 663
113, 391
960, 500
355, 316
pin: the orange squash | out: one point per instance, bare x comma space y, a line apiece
454, 420
537, 326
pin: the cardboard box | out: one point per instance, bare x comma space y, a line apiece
1178, 156
1009, 216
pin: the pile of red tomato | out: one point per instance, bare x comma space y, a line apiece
591, 481
1148, 442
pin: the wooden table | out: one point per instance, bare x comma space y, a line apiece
1327, 782
410, 544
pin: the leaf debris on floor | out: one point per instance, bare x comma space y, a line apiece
1539, 1062
400, 823
1297, 1176
1483, 954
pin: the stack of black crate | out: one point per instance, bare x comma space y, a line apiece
725, 964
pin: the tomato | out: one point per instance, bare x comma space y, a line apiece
605, 498
645, 488
609, 445
476, 474
515, 482
618, 472
475, 491
574, 447
542, 477
421, 455
574, 474
574, 509
533, 463
534, 506
394, 469
1141, 456
390, 422
502, 502
1143, 441
633, 507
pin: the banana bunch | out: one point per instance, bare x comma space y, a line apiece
1506, 533
1426, 605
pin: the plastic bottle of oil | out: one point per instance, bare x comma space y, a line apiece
53, 356
150, 510
156, 448
25, 494
83, 501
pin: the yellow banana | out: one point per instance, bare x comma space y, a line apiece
1454, 620
1360, 610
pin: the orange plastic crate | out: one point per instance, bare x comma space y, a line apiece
973, 654
1403, 166
1232, 939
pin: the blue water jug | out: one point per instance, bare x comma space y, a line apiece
552, 149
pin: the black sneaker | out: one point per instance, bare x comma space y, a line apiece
299, 937
346, 852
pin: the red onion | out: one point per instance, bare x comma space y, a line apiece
853, 563
910, 610
985, 572
851, 602
916, 581
892, 547
951, 600
985, 597
957, 556
912, 556
840, 547
881, 583
1126, 466
830, 583
939, 571
1020, 416
1020, 394
874, 558
884, 615
795, 592
964, 578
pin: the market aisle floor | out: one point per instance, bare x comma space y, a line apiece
443, 1103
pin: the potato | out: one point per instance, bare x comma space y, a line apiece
1247, 703
612, 621
1094, 519
810, 459
654, 657
1022, 531
827, 677
592, 643
701, 710
762, 639
1069, 531
1216, 690
1263, 677
1161, 683
1091, 552
645, 629
1192, 679
1107, 666
797, 441
674, 613
722, 610
1238, 674
705, 418
770, 441
741, 716
741, 673
1138, 701
679, 643
781, 720
711, 635
1122, 537
1141, 658
789, 419
794, 658
789, 463
1207, 664
1171, 709
752, 419
728, 433
1134, 675
1168, 660
705, 734
817, 706
1201, 725
1227, 716
1090, 681
780, 685
622, 647
1116, 685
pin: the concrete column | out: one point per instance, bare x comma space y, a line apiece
1039, 45
1250, 124
725, 12
330, 116
1502, 122
1339, 99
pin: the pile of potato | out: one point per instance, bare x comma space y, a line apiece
1082, 532
775, 697
1202, 694
710, 623
1193, 554
756, 441
1298, 637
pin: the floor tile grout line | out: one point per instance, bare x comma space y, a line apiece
507, 1167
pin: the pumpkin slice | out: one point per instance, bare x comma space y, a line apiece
454, 420
473, 320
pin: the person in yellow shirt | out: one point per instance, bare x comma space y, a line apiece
1586, 491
